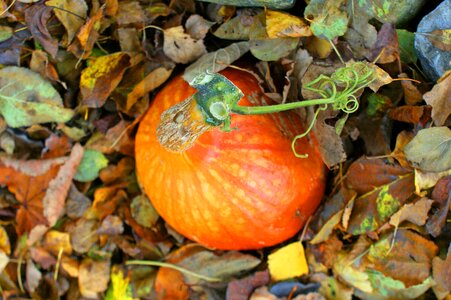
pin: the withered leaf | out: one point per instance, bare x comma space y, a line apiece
88, 34
237, 28
328, 20
56, 241
93, 277
440, 38
439, 99
101, 77
197, 27
386, 49
28, 181
408, 113
37, 16
416, 213
33, 276
441, 272
242, 288
130, 12
442, 195
73, 21
430, 149
280, 24
181, 47
83, 235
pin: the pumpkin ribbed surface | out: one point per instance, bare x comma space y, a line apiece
242, 189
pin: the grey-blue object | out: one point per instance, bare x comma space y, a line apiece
276, 4
284, 288
435, 62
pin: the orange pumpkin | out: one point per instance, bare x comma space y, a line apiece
242, 189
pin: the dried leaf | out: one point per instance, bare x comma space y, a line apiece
83, 235
430, 149
170, 283
416, 213
130, 12
101, 77
27, 99
197, 27
408, 113
385, 188
442, 195
117, 173
152, 80
439, 99
88, 34
241, 289
440, 38
33, 276
181, 47
327, 18
73, 21
280, 24
143, 211
56, 241
412, 95
386, 49
288, 262
37, 16
216, 61
93, 277
5, 246
426, 180
441, 273
5, 33
91, 163
237, 28
111, 225
58, 188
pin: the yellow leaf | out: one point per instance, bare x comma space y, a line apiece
280, 24
288, 262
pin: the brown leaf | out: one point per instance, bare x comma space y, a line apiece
42, 257
111, 225
101, 77
441, 272
130, 12
56, 241
58, 188
76, 203
28, 181
416, 213
93, 277
106, 199
408, 113
440, 38
439, 99
56, 146
40, 64
36, 17
73, 21
117, 138
83, 234
115, 173
412, 95
387, 46
197, 27
33, 276
181, 47
442, 195
406, 256
88, 34
241, 289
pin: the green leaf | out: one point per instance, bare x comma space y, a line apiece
406, 46
328, 19
93, 161
27, 99
430, 149
5, 33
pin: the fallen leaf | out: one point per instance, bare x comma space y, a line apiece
111, 225
412, 95
33, 276
130, 12
426, 180
280, 24
93, 277
107, 199
152, 80
441, 273
430, 149
197, 27
386, 49
116, 173
92, 162
73, 21
118, 138
381, 78
40, 63
416, 213
216, 61
331, 288
86, 37
101, 77
442, 196
77, 203
406, 41
288, 262
170, 284
27, 99
83, 235
237, 28
5, 33
56, 241
327, 18
181, 47
120, 286
143, 211
241, 289
438, 98
36, 17
58, 188
402, 255
383, 189
408, 113
440, 38
5, 246
269, 49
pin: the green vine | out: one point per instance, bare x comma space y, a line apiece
217, 97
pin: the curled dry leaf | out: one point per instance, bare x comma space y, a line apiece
442, 275
416, 213
241, 289
197, 27
36, 17
280, 24
442, 196
93, 277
